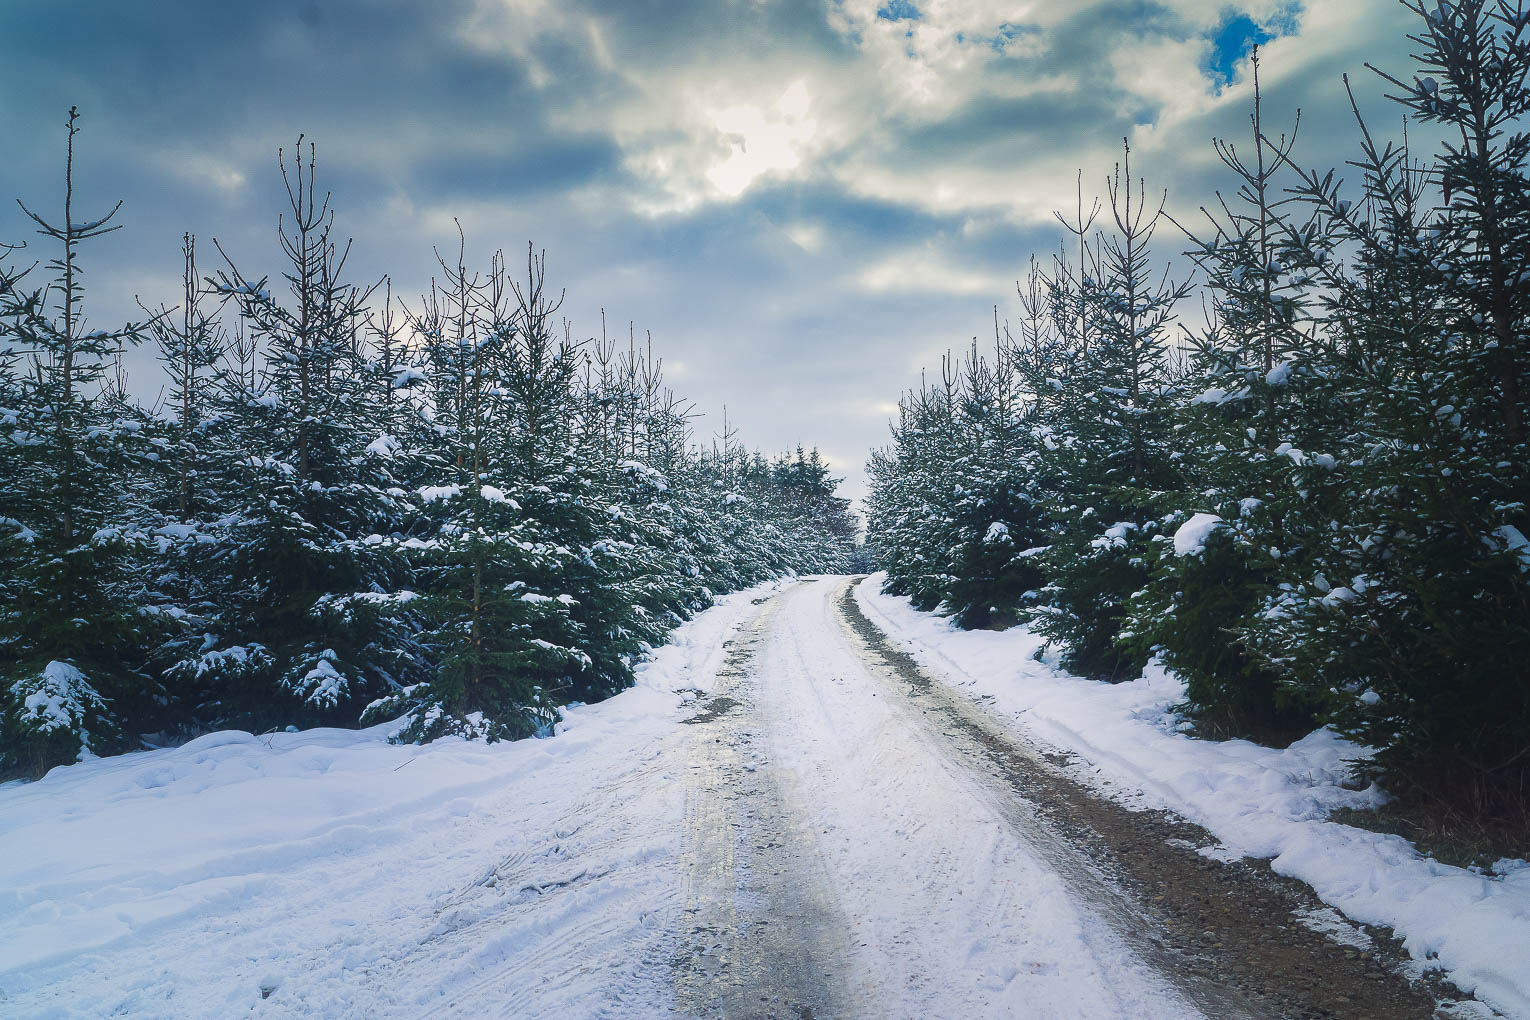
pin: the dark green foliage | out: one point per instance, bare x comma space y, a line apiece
1413, 619
1192, 614
75, 620
458, 519
1349, 431
992, 577
1110, 460
1252, 399
296, 583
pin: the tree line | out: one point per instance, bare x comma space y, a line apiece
1312, 507
348, 508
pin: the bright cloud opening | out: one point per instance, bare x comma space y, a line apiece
763, 139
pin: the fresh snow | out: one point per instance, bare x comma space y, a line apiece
1190, 538
1280, 374
408, 376
1114, 536
1515, 542
494, 494
56, 698
330, 872
1258, 801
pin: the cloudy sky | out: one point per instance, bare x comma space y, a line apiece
804, 200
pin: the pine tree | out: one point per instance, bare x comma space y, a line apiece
910, 511
72, 637
998, 520
314, 616
1116, 463
431, 515
1318, 513
495, 675
1414, 620
1249, 403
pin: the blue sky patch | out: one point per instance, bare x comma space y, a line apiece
1237, 34
898, 10
1007, 34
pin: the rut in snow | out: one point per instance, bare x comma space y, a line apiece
861, 842
761, 936
841, 865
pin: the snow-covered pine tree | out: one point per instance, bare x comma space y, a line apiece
180, 494
73, 638
957, 511
723, 512
589, 566
817, 523
314, 605
496, 673
670, 572
910, 511
1113, 462
190, 344
998, 520
396, 413
1247, 405
1412, 612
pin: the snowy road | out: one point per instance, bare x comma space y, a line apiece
904, 885
784, 819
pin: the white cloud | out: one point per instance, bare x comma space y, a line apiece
205, 170
926, 269
923, 149
709, 126
763, 140
807, 236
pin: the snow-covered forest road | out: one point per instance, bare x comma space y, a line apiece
809, 827
847, 862
865, 842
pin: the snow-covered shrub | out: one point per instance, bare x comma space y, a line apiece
50, 716
1208, 580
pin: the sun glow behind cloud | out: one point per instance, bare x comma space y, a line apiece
763, 139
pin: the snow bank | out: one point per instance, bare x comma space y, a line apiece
1259, 801
328, 872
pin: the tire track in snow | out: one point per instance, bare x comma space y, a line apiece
950, 911
762, 938
1229, 934
548, 906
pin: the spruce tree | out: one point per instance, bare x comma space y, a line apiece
1249, 401
314, 616
496, 675
1415, 616
1116, 463
73, 638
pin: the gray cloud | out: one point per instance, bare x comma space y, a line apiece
805, 202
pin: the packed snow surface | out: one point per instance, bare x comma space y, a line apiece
952, 912
332, 873
1259, 801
